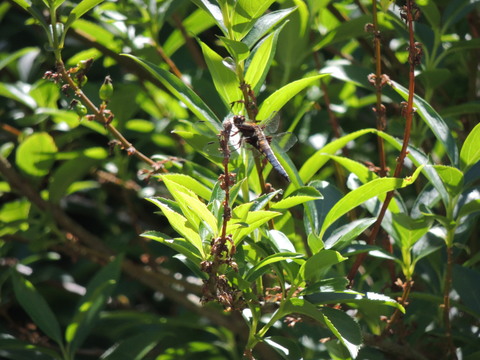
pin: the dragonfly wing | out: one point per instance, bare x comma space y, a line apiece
284, 141
270, 125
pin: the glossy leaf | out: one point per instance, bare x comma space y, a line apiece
452, 179
470, 153
78, 11
345, 297
180, 225
410, 230
285, 347
344, 234
214, 11
193, 209
36, 155
182, 92
363, 193
264, 24
245, 14
192, 184
262, 267
36, 307
261, 59
224, 79
180, 245
344, 328
314, 267
279, 98
317, 160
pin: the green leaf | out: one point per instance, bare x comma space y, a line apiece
260, 268
36, 154
180, 245
264, 24
17, 92
261, 60
36, 307
280, 241
363, 193
193, 209
469, 208
314, 267
279, 98
434, 121
287, 348
214, 11
343, 235
180, 225
470, 153
79, 10
22, 350
430, 11
245, 14
302, 306
224, 79
318, 159
292, 201
67, 174
237, 49
17, 54
99, 290
191, 184
452, 179
344, 328
182, 92
347, 297
136, 347
410, 230
254, 219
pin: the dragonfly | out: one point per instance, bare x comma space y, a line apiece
260, 136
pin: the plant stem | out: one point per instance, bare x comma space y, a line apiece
451, 353
408, 113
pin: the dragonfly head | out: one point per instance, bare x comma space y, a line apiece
238, 119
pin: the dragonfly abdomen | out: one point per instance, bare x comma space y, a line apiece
268, 152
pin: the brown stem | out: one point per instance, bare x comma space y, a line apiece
100, 116
379, 107
408, 113
168, 61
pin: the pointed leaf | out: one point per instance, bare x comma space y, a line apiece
470, 153
182, 92
79, 10
180, 225
224, 79
36, 307
99, 290
363, 193
279, 98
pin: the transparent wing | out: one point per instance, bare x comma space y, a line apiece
270, 125
284, 141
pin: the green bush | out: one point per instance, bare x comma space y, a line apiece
363, 244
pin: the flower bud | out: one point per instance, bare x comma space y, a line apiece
106, 90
